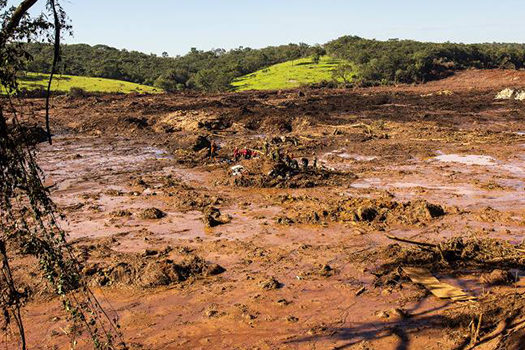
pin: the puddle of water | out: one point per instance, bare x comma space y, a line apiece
466, 159
357, 157
341, 153
367, 183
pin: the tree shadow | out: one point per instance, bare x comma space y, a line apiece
402, 329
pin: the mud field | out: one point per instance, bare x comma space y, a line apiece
189, 254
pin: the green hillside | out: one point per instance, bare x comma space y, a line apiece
289, 74
33, 81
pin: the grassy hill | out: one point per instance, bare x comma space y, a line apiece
33, 81
289, 75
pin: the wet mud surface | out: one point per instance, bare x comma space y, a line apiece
192, 256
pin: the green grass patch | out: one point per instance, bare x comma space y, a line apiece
63, 83
289, 75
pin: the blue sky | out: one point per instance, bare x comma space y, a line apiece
175, 26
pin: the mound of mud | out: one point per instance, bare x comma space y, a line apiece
142, 272
151, 214
213, 217
265, 173
362, 210
390, 211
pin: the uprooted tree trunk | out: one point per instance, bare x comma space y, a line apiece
28, 222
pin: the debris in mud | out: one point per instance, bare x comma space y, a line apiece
150, 252
192, 121
451, 256
139, 122
505, 94
511, 94
152, 214
283, 302
366, 214
267, 174
237, 170
439, 289
292, 319
213, 217
113, 193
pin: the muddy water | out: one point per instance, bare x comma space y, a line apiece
80, 167
252, 246
83, 170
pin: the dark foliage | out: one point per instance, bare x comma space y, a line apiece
407, 61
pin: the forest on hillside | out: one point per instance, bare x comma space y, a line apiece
408, 61
201, 70
377, 62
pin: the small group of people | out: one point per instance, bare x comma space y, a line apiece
275, 154
244, 153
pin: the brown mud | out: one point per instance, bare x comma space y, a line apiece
191, 255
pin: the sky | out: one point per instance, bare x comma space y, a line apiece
175, 26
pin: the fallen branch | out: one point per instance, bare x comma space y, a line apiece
422, 244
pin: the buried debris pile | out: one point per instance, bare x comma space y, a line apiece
268, 173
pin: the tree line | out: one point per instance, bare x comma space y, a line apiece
408, 61
370, 62
212, 70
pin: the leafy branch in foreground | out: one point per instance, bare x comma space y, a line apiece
28, 219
